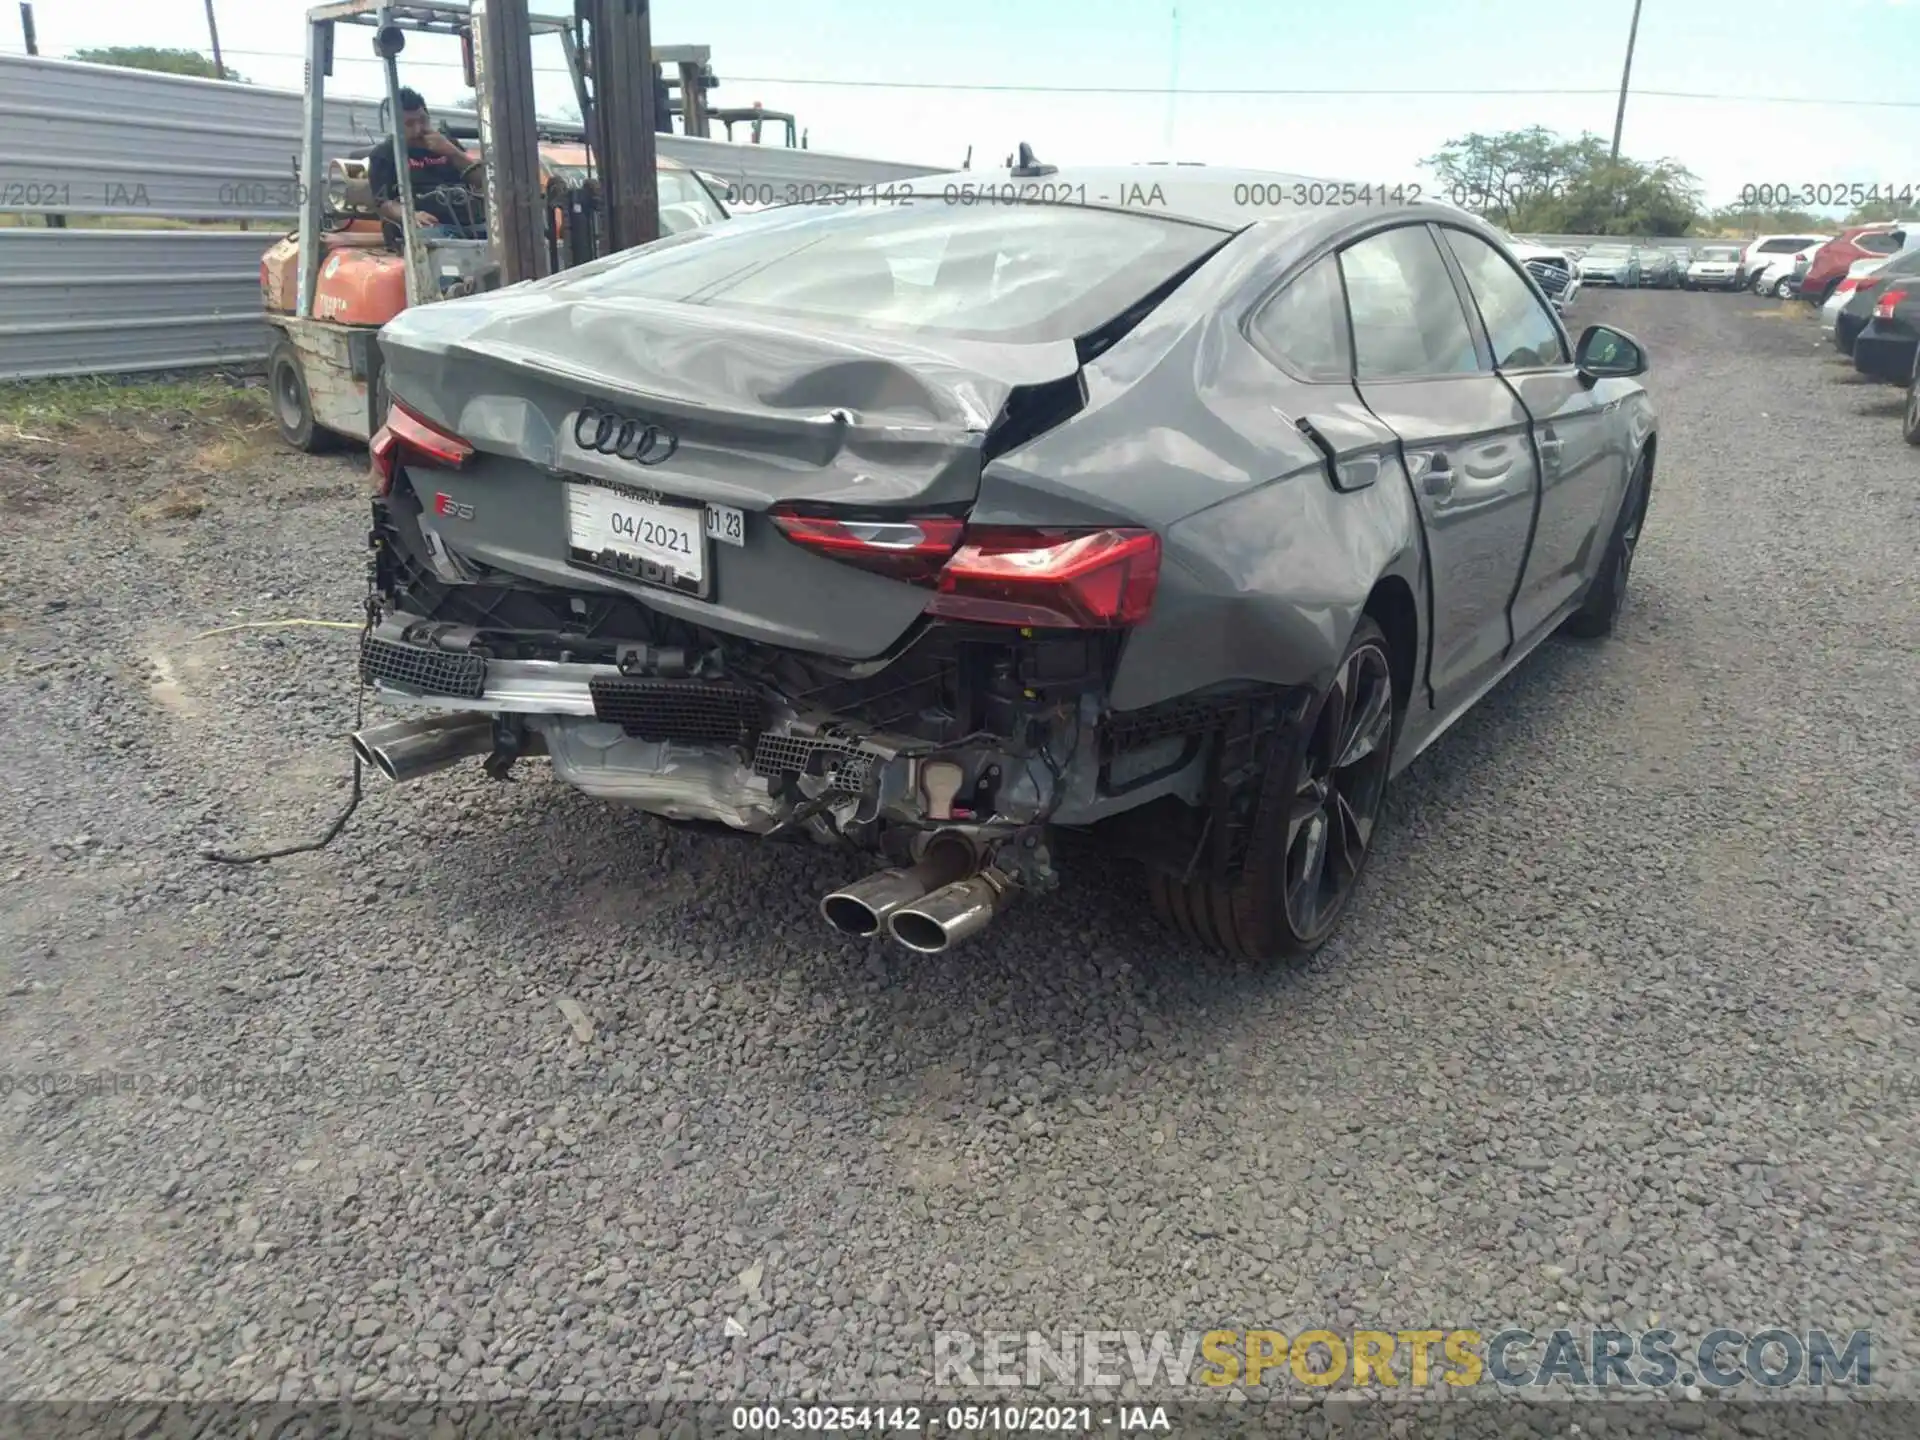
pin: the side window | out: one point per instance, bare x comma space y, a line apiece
1520, 327
1407, 318
1878, 242
1305, 325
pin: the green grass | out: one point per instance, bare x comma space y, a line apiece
27, 405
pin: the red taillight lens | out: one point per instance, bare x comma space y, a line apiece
1848, 283
998, 575
913, 549
1087, 581
1883, 307
408, 436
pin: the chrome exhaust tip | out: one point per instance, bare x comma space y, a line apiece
405, 750
951, 914
863, 908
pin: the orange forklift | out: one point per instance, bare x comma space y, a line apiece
553, 199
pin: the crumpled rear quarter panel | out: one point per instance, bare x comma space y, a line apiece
1188, 429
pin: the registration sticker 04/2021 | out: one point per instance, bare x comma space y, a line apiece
671, 536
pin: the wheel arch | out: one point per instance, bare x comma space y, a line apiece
1391, 606
1647, 455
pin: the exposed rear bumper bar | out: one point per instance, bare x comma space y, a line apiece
409, 675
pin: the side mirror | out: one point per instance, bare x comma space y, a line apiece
1605, 353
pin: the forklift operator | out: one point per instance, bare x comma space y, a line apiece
446, 179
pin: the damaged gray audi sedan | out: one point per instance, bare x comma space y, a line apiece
1176, 508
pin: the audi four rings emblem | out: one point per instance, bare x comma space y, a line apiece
633, 440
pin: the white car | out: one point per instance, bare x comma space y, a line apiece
1715, 267
1558, 276
1767, 265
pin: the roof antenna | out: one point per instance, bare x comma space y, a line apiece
1027, 166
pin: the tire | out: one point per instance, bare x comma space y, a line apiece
1600, 612
1783, 289
1319, 808
292, 405
1910, 424
1759, 284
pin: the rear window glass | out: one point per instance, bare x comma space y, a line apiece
1023, 273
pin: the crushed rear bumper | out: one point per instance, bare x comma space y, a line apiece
730, 752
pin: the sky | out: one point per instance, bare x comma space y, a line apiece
837, 64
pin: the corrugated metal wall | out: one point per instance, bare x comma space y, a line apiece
86, 140
82, 302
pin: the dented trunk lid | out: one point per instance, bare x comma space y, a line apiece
747, 411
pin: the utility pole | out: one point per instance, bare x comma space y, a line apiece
1619, 115
26, 28
1173, 83
213, 30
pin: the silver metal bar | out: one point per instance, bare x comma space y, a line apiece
419, 279
313, 164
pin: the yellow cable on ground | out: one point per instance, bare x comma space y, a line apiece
277, 624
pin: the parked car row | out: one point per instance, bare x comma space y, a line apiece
1783, 266
1873, 315
1657, 267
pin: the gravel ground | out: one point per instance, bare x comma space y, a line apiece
1620, 1031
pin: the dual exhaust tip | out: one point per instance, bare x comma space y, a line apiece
929, 907
407, 749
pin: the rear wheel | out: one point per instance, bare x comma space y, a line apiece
1318, 809
1608, 597
292, 404
1783, 289
1910, 426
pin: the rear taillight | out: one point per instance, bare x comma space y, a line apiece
999, 575
1849, 283
1098, 580
1883, 307
905, 549
410, 438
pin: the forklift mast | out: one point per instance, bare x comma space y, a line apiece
615, 36
604, 38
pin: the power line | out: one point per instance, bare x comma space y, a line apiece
1200, 91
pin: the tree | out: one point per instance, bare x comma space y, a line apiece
1532, 180
148, 57
1497, 174
1746, 220
1877, 212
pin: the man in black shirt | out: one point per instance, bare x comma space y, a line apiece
446, 180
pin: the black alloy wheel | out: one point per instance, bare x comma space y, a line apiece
1336, 804
1608, 597
1319, 807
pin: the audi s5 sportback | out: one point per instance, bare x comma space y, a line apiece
1144, 504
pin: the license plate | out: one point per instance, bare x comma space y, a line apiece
727, 525
645, 540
